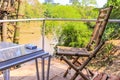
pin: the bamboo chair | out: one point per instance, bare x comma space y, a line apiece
89, 51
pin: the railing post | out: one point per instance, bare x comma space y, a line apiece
43, 35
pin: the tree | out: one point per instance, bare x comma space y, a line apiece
33, 9
88, 2
75, 35
116, 8
75, 2
113, 29
70, 33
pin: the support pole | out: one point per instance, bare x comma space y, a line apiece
43, 35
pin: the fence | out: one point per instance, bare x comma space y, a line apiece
54, 19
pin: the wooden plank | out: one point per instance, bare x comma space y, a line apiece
98, 77
105, 76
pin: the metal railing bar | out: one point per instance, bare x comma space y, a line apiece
57, 19
69, 19
23, 20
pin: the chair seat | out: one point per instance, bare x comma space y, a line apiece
67, 51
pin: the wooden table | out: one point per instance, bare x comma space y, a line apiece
14, 54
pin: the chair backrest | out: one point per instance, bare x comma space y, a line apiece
99, 27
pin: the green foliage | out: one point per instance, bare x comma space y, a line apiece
87, 12
75, 2
75, 35
53, 27
33, 10
61, 11
113, 29
69, 33
88, 2
104, 57
116, 8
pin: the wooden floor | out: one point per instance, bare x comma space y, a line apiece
27, 71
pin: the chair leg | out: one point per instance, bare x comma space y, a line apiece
88, 71
81, 74
75, 68
74, 61
66, 72
74, 76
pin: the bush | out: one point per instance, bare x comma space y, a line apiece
74, 35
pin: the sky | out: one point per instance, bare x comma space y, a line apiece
100, 3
